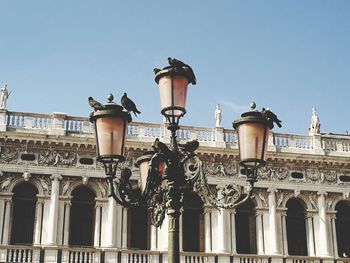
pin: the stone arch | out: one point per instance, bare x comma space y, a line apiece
337, 200
257, 200
301, 198
92, 185
18, 180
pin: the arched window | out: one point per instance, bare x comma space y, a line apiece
296, 228
342, 224
138, 228
192, 223
82, 217
23, 214
246, 228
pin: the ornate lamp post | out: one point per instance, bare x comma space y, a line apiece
167, 171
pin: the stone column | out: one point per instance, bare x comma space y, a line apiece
233, 231
273, 235
97, 232
125, 228
7, 220
310, 233
53, 214
111, 237
38, 222
66, 219
181, 229
260, 231
223, 231
323, 236
208, 229
284, 232
334, 233
154, 238
121, 228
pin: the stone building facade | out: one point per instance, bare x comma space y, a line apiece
54, 205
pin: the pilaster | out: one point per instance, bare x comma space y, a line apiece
323, 236
53, 215
273, 226
2, 120
57, 126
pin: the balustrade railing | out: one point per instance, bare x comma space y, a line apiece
21, 254
81, 255
250, 259
197, 258
325, 143
298, 259
138, 256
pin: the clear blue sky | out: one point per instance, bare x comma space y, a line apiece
286, 55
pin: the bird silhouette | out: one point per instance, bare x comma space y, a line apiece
129, 105
156, 70
190, 146
271, 118
177, 64
95, 104
162, 148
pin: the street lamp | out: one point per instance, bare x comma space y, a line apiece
167, 171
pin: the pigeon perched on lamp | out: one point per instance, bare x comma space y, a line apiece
129, 105
95, 104
271, 117
179, 65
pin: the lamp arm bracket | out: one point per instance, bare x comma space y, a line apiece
123, 193
228, 196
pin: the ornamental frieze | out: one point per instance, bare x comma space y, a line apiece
220, 169
280, 173
8, 155
329, 176
313, 175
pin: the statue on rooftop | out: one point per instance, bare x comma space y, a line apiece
4, 96
315, 123
218, 116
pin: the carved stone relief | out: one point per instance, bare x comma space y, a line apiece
8, 155
313, 175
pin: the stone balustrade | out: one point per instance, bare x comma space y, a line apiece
62, 124
32, 254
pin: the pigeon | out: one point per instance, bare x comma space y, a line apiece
190, 146
175, 63
271, 117
162, 148
95, 104
156, 70
129, 105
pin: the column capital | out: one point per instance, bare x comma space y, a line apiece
56, 177
322, 192
272, 190
310, 213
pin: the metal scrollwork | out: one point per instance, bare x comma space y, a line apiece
164, 189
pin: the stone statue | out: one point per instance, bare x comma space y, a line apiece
4, 96
315, 123
218, 116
